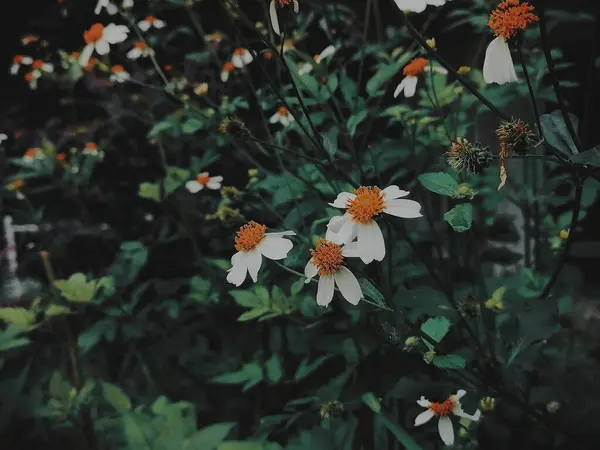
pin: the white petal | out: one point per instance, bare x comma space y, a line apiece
342, 199
325, 290
285, 121
335, 223
134, 53
115, 33
411, 5
460, 394
305, 68
446, 430
102, 47
400, 88
14, 69
86, 54
193, 186
47, 67
224, 77
393, 191
237, 61
346, 234
410, 86
237, 274
27, 60
274, 19
247, 57
253, 260
274, 118
143, 25
439, 69
424, 402
408, 209
498, 65
458, 411
310, 271
218, 178
351, 250
101, 4
296, 6
213, 185
348, 285
275, 248
424, 417
327, 52
282, 233
370, 242
159, 23
112, 9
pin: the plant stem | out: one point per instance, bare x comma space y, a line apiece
536, 112
568, 242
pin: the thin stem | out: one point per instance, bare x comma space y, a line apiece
451, 70
363, 50
554, 77
568, 242
536, 112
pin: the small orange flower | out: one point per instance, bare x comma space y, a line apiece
415, 67
228, 66
37, 64
249, 236
117, 69
74, 55
239, 52
203, 179
283, 111
29, 77
29, 39
141, 45
94, 34
511, 17
18, 59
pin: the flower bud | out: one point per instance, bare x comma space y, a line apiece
487, 404
516, 135
234, 127
333, 408
468, 157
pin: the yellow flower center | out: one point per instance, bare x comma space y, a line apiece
327, 256
415, 67
511, 17
443, 409
249, 236
368, 203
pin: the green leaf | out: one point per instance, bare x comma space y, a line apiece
355, 119
252, 314
556, 133
159, 128
371, 291
246, 298
371, 401
399, 433
57, 310
330, 141
174, 178
116, 397
460, 217
77, 289
274, 369
240, 445
209, 437
150, 191
305, 368
439, 182
449, 362
436, 328
382, 76
18, 316
590, 157
191, 126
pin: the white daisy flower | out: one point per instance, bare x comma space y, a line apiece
411, 72
3, 137
19, 60
326, 53
252, 243
140, 48
359, 221
498, 66
149, 22
443, 411
31, 78
99, 38
127, 4
305, 68
288, 45
32, 154
418, 6
241, 57
119, 74
282, 116
40, 66
91, 149
204, 180
327, 262
106, 4
228, 67
282, 4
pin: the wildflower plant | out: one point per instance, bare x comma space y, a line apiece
244, 237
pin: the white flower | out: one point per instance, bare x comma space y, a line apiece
139, 49
226, 70
305, 68
33, 153
443, 411
326, 53
252, 243
91, 149
204, 180
273, 12
3, 137
100, 38
498, 65
127, 4
282, 116
151, 21
327, 262
412, 70
19, 60
418, 6
241, 57
40, 66
201, 89
361, 209
110, 7
119, 74
31, 78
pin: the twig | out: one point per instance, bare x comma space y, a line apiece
536, 112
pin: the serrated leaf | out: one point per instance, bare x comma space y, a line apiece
77, 289
371, 291
460, 217
439, 182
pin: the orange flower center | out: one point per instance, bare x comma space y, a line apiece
284, 3
150, 19
443, 409
91, 63
327, 256
91, 146
117, 69
239, 52
74, 55
61, 156
140, 45
94, 34
288, 43
283, 111
37, 64
29, 39
228, 67
203, 179
415, 67
18, 59
31, 152
368, 203
249, 236
29, 76
17, 184
511, 17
